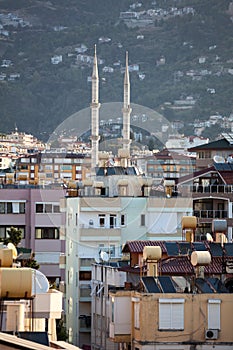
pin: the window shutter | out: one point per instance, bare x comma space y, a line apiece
164, 316
136, 315
171, 314
214, 314
177, 316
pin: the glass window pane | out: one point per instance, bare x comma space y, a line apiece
39, 208
48, 208
2, 208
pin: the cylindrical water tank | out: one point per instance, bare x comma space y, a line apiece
189, 222
152, 252
16, 283
6, 257
200, 258
219, 225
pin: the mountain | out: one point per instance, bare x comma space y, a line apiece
178, 50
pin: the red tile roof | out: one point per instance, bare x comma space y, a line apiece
176, 265
179, 265
227, 177
137, 246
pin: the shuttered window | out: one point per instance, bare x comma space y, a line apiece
214, 314
136, 315
171, 314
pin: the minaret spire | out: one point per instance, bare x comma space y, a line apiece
95, 105
126, 108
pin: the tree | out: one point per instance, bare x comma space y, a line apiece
14, 236
32, 263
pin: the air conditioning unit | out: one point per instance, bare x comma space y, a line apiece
211, 334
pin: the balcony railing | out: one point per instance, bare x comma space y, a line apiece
213, 189
211, 214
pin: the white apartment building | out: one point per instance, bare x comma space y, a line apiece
103, 216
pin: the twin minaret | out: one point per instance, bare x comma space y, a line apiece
95, 105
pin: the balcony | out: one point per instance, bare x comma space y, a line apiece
211, 214
85, 293
213, 189
85, 323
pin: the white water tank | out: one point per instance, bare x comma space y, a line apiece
189, 222
152, 253
16, 283
200, 258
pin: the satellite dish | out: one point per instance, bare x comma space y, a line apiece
14, 250
40, 284
230, 159
209, 238
104, 256
218, 159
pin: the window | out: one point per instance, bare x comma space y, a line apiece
25, 160
101, 220
84, 275
112, 220
70, 275
70, 305
112, 250
2, 208
65, 167
143, 220
39, 208
46, 160
136, 315
112, 318
47, 208
214, 314
171, 314
9, 208
122, 219
12, 207
4, 231
47, 233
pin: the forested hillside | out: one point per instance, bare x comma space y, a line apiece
177, 50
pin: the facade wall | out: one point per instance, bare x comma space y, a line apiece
195, 318
85, 239
47, 250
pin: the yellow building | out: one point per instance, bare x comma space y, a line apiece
156, 321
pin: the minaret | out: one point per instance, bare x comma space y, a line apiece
95, 105
126, 109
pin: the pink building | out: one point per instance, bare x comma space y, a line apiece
36, 211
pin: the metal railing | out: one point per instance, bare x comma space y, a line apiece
211, 214
212, 189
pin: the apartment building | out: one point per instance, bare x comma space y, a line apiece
212, 194
105, 213
177, 305
52, 167
36, 212
169, 165
219, 151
